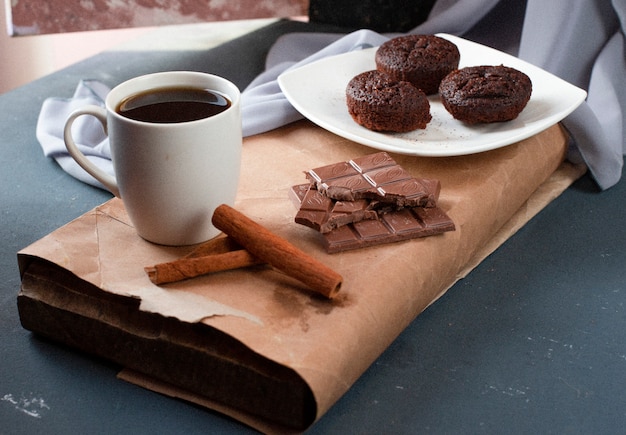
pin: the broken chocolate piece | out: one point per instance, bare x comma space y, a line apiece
324, 214
374, 176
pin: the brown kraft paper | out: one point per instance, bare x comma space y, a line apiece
329, 344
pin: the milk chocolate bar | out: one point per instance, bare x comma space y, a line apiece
374, 176
391, 226
324, 214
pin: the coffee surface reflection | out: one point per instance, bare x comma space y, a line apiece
173, 105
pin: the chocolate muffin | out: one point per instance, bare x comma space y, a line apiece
420, 59
479, 94
378, 102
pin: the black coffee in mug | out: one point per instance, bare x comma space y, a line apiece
173, 105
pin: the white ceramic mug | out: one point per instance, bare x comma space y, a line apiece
170, 176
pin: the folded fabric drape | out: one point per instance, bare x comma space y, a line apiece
581, 41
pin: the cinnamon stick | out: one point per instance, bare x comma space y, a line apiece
217, 245
276, 251
191, 267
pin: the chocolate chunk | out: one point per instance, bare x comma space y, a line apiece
374, 176
391, 226
325, 214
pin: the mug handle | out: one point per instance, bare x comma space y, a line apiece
100, 113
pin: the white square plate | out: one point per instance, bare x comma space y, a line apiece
317, 91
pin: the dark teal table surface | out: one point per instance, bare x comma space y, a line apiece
532, 341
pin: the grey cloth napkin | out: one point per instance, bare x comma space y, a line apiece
581, 41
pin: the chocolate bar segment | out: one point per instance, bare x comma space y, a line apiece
324, 214
395, 226
374, 176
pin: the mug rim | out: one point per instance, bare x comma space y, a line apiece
113, 99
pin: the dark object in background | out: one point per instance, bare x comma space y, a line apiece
378, 15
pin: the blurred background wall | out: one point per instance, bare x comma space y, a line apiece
25, 58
